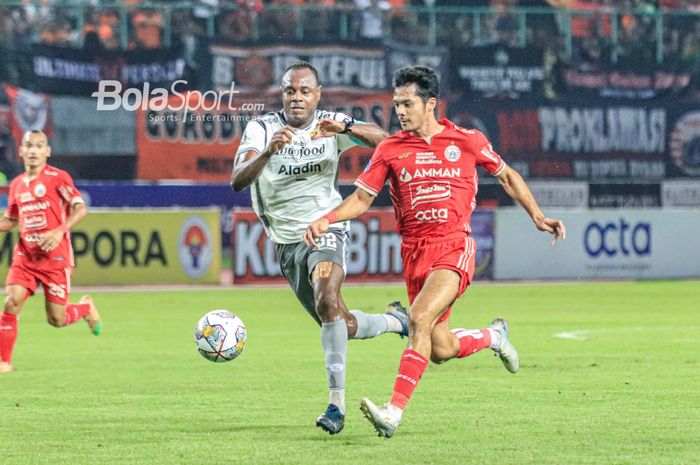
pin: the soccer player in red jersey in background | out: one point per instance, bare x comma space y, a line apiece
431, 168
46, 205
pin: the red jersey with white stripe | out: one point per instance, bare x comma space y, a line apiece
432, 184
40, 205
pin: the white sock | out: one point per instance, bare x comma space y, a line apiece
393, 323
495, 338
337, 398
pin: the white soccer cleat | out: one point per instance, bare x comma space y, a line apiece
506, 352
385, 419
5, 367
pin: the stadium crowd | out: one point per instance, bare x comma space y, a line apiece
100, 23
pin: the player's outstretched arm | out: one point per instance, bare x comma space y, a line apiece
7, 223
247, 170
517, 188
368, 133
353, 206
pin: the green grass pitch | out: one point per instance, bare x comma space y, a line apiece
624, 388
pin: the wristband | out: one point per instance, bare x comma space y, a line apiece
64, 228
331, 216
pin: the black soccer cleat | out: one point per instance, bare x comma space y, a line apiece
331, 421
398, 311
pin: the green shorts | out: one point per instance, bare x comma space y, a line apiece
297, 262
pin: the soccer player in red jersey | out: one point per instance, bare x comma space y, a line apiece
431, 168
46, 205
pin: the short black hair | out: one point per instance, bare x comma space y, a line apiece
302, 65
424, 78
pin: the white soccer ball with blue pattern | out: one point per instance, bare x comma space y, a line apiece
220, 336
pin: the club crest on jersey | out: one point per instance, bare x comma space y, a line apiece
40, 190
452, 153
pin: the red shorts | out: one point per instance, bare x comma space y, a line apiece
455, 252
56, 282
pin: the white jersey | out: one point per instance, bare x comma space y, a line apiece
299, 183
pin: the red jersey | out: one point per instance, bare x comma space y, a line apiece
432, 185
40, 205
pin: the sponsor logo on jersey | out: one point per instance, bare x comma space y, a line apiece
404, 155
195, 248
302, 151
437, 173
427, 191
405, 176
452, 153
34, 207
40, 190
427, 158
434, 215
290, 170
36, 221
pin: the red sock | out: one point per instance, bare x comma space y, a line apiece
471, 341
411, 369
8, 335
75, 312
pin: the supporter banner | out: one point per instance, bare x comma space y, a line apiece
375, 248
680, 194
603, 243
141, 247
199, 144
76, 71
338, 65
28, 112
498, 71
590, 140
610, 81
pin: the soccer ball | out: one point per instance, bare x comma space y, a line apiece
220, 336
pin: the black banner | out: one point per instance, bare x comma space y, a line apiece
617, 82
498, 71
590, 141
73, 71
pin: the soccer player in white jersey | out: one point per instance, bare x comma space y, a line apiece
290, 160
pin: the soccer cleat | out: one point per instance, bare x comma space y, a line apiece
5, 367
398, 311
331, 421
385, 419
93, 318
506, 352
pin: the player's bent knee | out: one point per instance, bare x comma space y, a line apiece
55, 321
12, 304
327, 304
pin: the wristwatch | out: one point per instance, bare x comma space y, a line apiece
349, 122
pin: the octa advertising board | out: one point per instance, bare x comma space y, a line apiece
604, 243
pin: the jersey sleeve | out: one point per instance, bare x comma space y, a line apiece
67, 190
12, 210
375, 174
254, 138
486, 156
